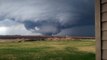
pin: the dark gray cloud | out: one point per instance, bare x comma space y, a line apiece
78, 31
51, 17
46, 27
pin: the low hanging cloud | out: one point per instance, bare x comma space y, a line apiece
50, 17
9, 27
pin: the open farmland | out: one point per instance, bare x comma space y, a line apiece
48, 50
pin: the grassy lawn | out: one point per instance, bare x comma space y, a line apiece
48, 50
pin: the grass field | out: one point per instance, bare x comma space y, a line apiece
48, 50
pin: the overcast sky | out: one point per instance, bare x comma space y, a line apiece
47, 17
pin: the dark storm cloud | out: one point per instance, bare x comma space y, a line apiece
78, 31
51, 17
46, 27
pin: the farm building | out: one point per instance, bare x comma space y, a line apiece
101, 29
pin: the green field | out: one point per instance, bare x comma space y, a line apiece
48, 50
